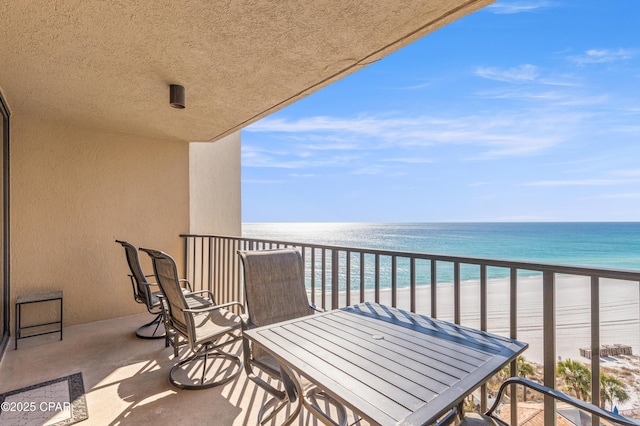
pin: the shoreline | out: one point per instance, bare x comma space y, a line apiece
619, 311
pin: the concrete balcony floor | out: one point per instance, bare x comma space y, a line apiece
126, 378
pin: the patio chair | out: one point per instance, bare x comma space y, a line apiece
579, 414
144, 292
275, 291
205, 329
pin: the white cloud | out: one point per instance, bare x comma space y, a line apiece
417, 86
505, 7
293, 158
620, 196
408, 160
628, 172
332, 146
521, 74
599, 56
360, 125
490, 135
263, 181
582, 182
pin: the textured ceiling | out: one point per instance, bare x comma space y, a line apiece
108, 64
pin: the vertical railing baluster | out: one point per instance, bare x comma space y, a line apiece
186, 258
483, 327
193, 266
348, 279
237, 287
218, 265
513, 333
483, 298
227, 267
335, 280
313, 275
361, 277
456, 292
412, 278
324, 278
549, 343
303, 251
210, 266
595, 345
434, 297
223, 291
394, 284
377, 279
199, 279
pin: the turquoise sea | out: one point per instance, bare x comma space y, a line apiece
597, 244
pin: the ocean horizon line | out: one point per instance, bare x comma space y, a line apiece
441, 222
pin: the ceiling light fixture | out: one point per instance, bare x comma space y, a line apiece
176, 96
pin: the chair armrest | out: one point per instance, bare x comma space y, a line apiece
560, 396
215, 307
186, 283
209, 293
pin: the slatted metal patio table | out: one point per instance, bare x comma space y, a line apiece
390, 366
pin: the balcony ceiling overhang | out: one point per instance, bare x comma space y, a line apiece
108, 64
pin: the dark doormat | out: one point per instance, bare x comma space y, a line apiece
57, 402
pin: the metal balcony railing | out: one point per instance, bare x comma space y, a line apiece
338, 276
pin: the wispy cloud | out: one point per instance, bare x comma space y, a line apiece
620, 196
380, 169
523, 73
293, 159
628, 172
417, 86
489, 135
361, 125
506, 7
408, 160
263, 181
599, 56
582, 182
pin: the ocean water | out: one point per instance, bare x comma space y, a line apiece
597, 244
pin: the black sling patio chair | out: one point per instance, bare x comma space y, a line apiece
574, 410
150, 294
206, 329
275, 291
144, 292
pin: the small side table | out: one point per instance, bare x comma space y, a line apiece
37, 298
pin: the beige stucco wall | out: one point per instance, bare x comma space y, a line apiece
73, 192
214, 176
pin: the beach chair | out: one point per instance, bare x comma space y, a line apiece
275, 291
206, 329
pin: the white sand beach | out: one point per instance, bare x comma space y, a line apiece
619, 311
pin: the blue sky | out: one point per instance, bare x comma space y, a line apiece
522, 111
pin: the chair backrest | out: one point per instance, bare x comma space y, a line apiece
274, 285
141, 293
166, 273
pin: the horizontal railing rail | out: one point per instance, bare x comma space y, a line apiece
339, 276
